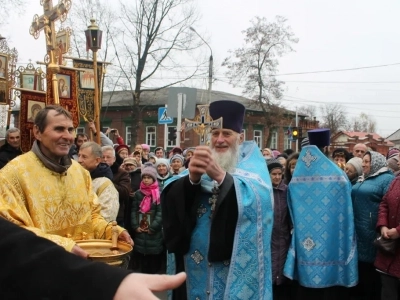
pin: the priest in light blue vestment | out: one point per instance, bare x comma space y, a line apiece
220, 231
323, 252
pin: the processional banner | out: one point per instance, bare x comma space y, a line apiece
31, 103
67, 91
86, 87
3, 119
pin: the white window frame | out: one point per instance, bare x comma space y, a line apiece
171, 144
274, 140
287, 142
151, 135
257, 135
128, 135
244, 134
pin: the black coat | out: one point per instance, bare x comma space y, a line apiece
35, 268
281, 236
102, 170
122, 183
8, 153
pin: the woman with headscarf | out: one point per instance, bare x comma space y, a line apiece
367, 194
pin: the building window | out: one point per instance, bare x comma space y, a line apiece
287, 142
258, 137
171, 143
244, 134
151, 136
80, 130
274, 140
128, 135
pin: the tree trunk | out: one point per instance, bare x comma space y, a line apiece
135, 121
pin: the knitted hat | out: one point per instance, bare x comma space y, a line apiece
149, 170
162, 161
121, 147
273, 164
190, 149
232, 114
393, 152
177, 156
356, 162
275, 153
145, 147
392, 163
305, 142
130, 161
319, 137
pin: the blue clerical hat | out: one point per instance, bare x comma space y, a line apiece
232, 114
320, 137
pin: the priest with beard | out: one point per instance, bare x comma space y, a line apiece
217, 215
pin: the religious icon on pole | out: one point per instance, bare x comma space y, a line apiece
3, 66
31, 78
3, 91
62, 44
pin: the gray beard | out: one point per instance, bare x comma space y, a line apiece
227, 160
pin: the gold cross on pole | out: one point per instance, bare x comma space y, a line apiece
203, 124
46, 22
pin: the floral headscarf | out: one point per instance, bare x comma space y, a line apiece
378, 161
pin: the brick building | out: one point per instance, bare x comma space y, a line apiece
348, 139
116, 113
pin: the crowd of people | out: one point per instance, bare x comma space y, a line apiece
242, 222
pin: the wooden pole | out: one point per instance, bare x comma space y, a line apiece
96, 99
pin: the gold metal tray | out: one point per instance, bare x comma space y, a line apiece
100, 250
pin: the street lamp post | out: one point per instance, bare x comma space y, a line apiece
93, 42
210, 65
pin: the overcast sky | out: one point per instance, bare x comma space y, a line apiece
332, 35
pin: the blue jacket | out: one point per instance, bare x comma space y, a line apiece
366, 196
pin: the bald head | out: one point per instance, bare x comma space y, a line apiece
359, 150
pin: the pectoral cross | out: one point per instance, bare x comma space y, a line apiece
203, 124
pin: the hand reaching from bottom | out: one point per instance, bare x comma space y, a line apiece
141, 286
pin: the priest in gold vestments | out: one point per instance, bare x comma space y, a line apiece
46, 192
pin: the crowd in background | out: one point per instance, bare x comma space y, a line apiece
131, 184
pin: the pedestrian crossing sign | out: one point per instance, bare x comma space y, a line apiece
163, 117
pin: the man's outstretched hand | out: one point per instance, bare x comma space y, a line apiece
138, 286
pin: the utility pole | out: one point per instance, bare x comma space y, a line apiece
297, 125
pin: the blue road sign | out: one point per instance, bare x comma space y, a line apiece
163, 117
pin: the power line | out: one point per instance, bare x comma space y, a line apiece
339, 70
342, 103
343, 82
347, 106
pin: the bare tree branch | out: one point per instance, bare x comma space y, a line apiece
254, 65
